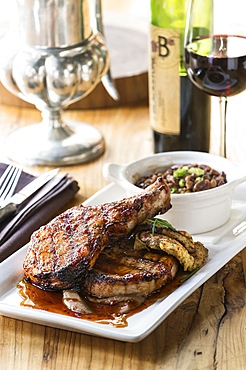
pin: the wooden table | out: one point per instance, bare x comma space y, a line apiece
207, 331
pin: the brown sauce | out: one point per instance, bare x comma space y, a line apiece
37, 298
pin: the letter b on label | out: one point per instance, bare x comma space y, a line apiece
163, 49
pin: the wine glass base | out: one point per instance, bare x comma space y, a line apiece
67, 144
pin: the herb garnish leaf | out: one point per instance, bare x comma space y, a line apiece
160, 222
188, 276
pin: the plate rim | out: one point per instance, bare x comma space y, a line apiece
134, 332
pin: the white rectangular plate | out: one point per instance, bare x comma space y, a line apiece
222, 245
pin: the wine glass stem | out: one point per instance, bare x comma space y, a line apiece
223, 113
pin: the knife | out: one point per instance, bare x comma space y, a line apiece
10, 206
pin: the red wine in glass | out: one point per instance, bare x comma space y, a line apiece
217, 64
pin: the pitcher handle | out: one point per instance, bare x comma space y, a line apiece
107, 80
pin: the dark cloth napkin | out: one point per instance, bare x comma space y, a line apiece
35, 211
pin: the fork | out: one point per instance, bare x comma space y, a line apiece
8, 182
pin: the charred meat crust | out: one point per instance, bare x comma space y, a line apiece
122, 271
61, 251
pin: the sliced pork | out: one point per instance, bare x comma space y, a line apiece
121, 272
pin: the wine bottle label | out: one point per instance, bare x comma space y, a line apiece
164, 80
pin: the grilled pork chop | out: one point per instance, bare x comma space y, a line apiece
121, 272
61, 251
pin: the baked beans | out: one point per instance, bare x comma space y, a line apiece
186, 178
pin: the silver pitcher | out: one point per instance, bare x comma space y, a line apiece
55, 54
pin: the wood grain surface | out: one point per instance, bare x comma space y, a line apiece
207, 331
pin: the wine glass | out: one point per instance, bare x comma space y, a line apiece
215, 51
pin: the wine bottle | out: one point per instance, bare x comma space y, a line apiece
179, 111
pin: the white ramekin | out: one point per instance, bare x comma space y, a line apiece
194, 212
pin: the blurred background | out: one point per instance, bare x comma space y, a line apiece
129, 64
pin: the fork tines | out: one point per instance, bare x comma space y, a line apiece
9, 181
